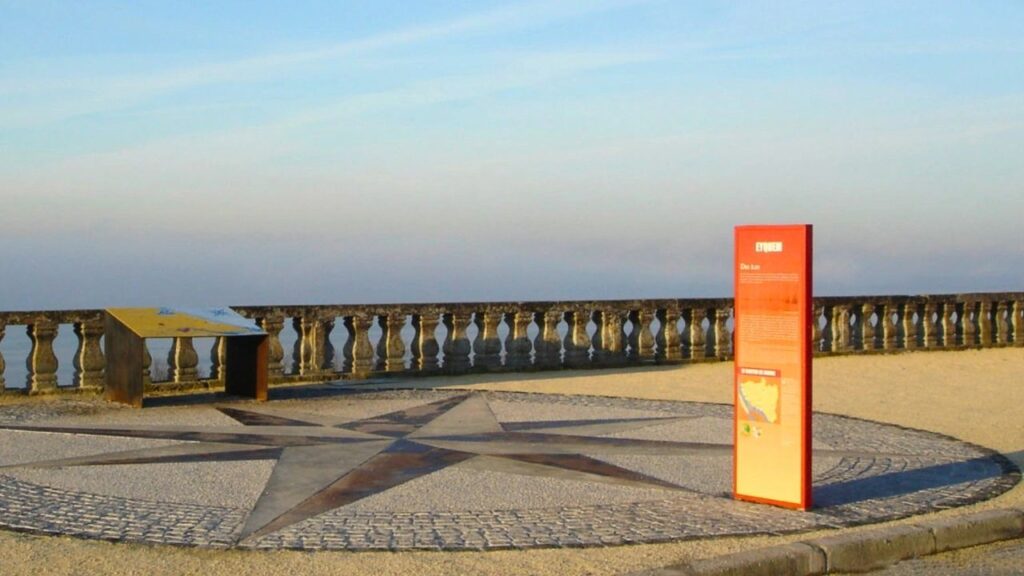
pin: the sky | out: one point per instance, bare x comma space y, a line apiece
233, 153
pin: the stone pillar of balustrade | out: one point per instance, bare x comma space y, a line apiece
697, 341
425, 346
909, 326
889, 326
1018, 327
613, 338
1002, 326
948, 324
645, 338
326, 326
415, 346
549, 343
840, 327
3, 363
985, 323
182, 361
89, 362
723, 338
456, 344
362, 348
218, 358
391, 337
487, 347
345, 366
577, 341
867, 329
519, 344
929, 325
273, 325
381, 351
967, 318
309, 351
669, 349
41, 362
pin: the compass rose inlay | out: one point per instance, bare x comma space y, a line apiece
321, 465
342, 468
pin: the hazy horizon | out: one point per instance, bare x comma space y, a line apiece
253, 153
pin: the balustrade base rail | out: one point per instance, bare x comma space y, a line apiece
387, 340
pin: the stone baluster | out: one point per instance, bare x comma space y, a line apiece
1018, 329
577, 342
909, 326
645, 338
89, 361
985, 323
346, 349
42, 362
519, 344
612, 341
929, 324
816, 335
968, 329
698, 344
218, 358
948, 325
549, 344
1002, 325
425, 346
3, 363
309, 351
632, 339
456, 344
840, 327
723, 338
273, 325
182, 361
391, 337
867, 329
889, 327
380, 363
668, 336
487, 345
415, 346
362, 348
325, 327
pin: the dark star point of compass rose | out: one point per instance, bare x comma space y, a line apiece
322, 465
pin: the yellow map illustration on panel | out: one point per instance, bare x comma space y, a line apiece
760, 399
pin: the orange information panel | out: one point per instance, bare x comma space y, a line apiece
772, 428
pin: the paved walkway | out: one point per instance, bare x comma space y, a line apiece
564, 467
337, 467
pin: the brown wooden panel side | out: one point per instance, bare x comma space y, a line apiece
123, 349
246, 366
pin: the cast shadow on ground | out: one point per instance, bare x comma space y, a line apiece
910, 481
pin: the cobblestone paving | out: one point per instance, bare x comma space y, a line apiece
866, 472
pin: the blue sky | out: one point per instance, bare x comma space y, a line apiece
177, 153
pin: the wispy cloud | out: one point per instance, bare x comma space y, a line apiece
92, 95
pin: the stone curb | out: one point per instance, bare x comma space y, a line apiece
859, 551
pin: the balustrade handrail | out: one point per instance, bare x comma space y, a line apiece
525, 335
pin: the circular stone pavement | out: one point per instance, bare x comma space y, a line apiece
336, 468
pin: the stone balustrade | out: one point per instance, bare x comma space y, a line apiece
361, 341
